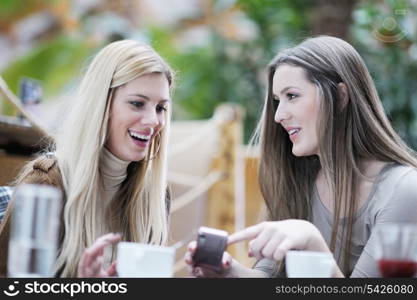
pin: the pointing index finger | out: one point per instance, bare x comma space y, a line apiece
245, 234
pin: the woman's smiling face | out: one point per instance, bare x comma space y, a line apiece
137, 114
298, 108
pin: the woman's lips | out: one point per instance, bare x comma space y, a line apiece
294, 136
142, 144
140, 139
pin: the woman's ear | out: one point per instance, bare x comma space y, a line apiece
343, 95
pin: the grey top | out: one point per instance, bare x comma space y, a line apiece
393, 199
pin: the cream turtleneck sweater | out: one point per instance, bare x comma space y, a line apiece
113, 172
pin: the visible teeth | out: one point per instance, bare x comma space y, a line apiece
140, 136
292, 131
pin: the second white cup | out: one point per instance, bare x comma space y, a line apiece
142, 260
308, 264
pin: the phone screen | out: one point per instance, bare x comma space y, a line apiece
211, 244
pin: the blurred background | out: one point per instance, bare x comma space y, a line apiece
220, 50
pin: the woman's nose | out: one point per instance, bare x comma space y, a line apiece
281, 114
150, 118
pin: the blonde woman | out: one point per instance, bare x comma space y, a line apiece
331, 169
110, 160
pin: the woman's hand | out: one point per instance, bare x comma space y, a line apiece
199, 271
91, 263
230, 267
272, 240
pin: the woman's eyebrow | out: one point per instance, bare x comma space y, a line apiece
287, 88
140, 96
146, 97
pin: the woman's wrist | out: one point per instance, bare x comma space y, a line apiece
237, 270
316, 241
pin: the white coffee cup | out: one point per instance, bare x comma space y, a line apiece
309, 264
142, 260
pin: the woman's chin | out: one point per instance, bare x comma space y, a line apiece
137, 158
296, 151
133, 156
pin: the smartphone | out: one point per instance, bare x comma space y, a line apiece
211, 244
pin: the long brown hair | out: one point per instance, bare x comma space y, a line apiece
347, 134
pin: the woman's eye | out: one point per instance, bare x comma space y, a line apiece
136, 103
291, 96
161, 108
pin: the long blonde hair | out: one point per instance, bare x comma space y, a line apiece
347, 134
138, 210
